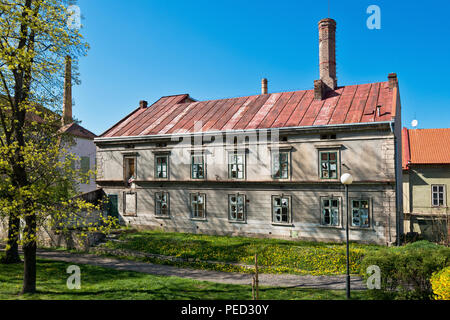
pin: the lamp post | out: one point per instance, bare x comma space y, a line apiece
347, 179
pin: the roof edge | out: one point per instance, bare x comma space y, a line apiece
240, 131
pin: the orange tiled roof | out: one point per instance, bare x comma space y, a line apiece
425, 146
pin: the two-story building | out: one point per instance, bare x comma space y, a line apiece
264, 165
426, 181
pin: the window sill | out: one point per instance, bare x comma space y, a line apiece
362, 228
237, 222
280, 224
330, 227
163, 217
198, 219
129, 215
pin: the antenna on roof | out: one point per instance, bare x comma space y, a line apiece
329, 9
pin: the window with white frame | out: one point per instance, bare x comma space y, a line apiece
198, 205
281, 209
438, 195
161, 166
280, 164
236, 165
360, 213
162, 204
236, 207
198, 166
330, 212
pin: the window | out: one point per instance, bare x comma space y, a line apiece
360, 213
236, 165
280, 165
328, 165
281, 209
85, 165
162, 204
198, 210
330, 212
130, 203
198, 167
437, 195
236, 207
130, 169
327, 137
161, 167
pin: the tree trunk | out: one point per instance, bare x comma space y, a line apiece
12, 251
29, 253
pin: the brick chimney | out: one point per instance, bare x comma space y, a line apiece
143, 104
264, 86
327, 57
392, 77
67, 103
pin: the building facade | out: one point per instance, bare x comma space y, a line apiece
426, 181
266, 165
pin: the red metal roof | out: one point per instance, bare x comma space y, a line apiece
425, 146
78, 131
178, 114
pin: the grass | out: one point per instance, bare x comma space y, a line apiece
108, 284
274, 256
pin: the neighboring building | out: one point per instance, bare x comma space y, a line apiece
426, 182
265, 165
83, 147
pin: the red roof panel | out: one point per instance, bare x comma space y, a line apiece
178, 114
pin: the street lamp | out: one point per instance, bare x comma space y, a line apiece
347, 179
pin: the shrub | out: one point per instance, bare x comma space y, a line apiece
406, 271
440, 282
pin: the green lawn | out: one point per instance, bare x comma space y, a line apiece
274, 256
107, 284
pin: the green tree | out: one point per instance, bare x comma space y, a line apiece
37, 177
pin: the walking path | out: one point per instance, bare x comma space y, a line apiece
276, 280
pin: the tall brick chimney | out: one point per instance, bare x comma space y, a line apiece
264, 86
327, 58
67, 103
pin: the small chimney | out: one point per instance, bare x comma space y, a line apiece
143, 104
319, 89
67, 103
392, 77
327, 55
264, 86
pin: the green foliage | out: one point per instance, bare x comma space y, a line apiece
108, 284
440, 281
274, 256
406, 270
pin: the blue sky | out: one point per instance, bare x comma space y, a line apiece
145, 49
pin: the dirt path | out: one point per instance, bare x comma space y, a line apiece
277, 280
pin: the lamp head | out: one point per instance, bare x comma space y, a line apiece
346, 178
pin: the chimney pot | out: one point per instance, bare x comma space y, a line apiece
264, 86
143, 104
